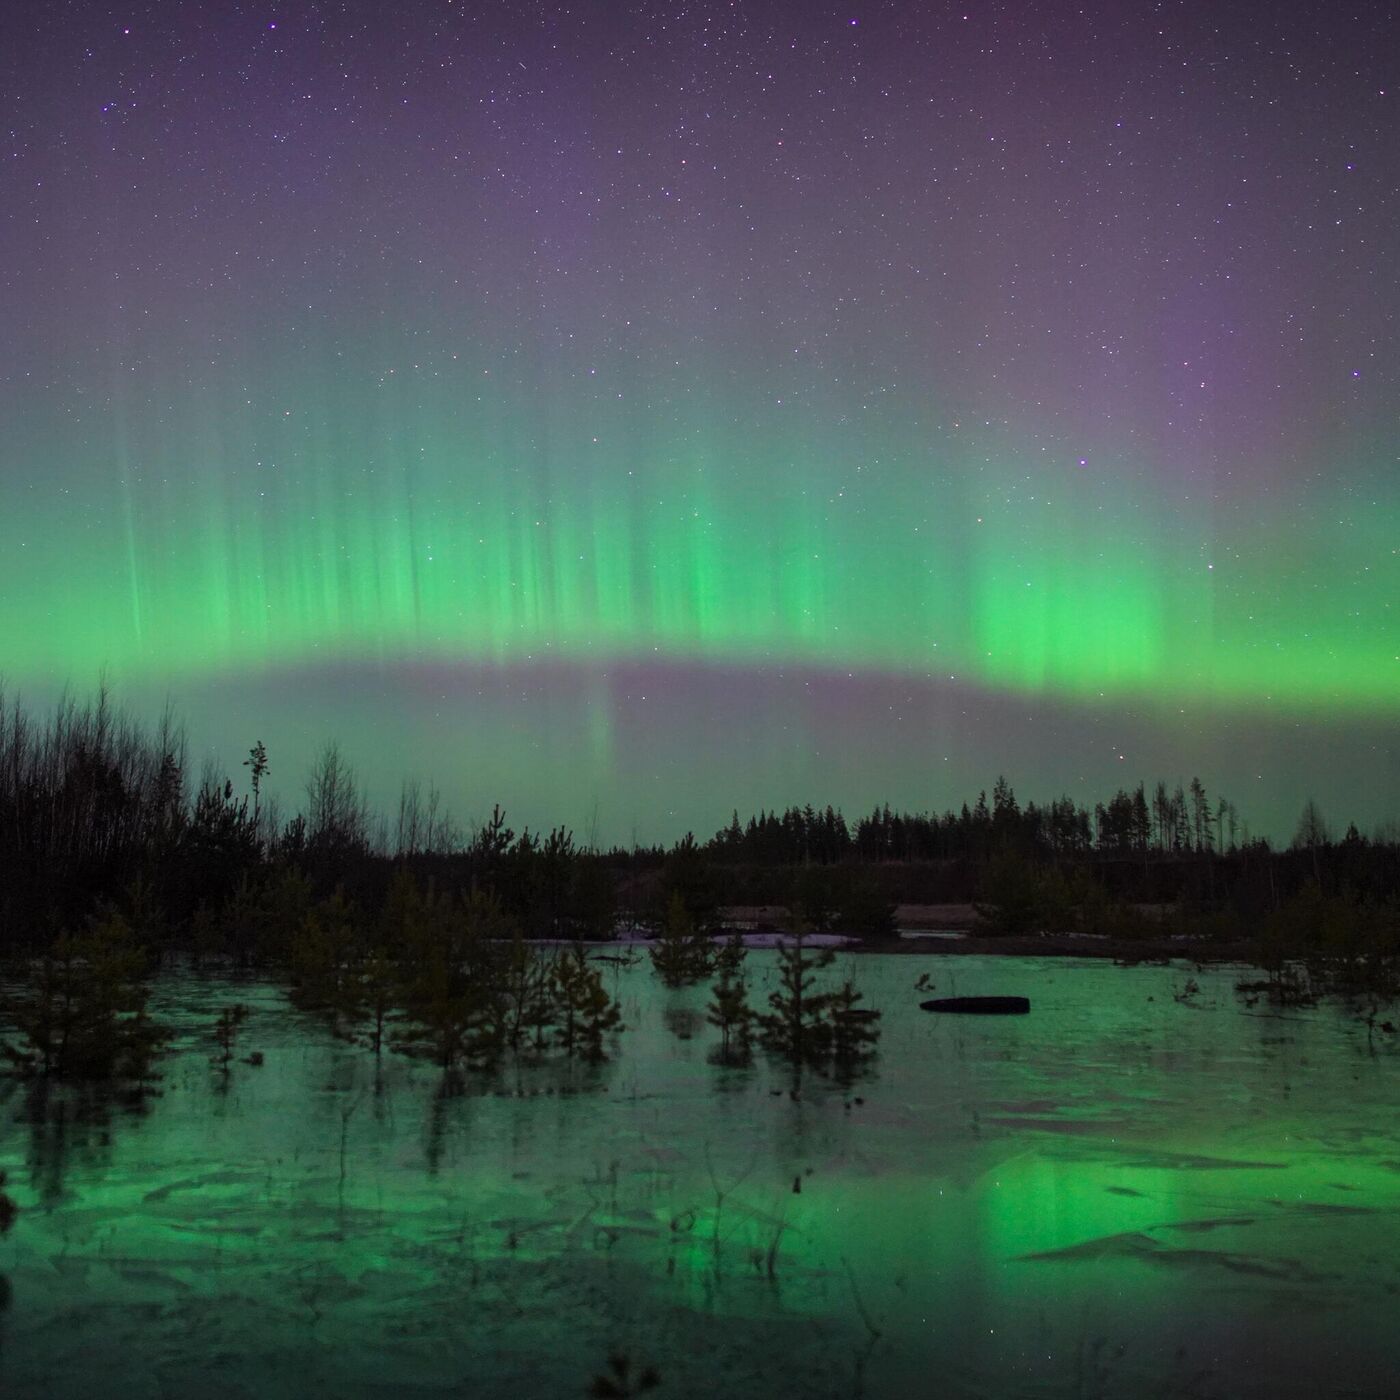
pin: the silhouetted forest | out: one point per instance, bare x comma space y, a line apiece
101, 816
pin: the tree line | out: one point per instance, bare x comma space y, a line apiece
99, 811
1168, 822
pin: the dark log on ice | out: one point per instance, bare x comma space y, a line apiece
979, 1006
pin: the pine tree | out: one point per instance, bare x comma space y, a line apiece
525, 994
854, 1029
796, 1026
370, 997
1201, 820
322, 953
257, 763
451, 1009
1142, 820
682, 953
729, 1011
586, 1013
83, 1013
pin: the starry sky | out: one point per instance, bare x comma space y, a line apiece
631, 411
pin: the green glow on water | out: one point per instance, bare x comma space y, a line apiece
1147, 1190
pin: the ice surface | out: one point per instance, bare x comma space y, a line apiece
1116, 1195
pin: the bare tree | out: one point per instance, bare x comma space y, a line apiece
337, 812
1312, 832
424, 824
408, 839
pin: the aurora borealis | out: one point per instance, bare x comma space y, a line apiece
652, 408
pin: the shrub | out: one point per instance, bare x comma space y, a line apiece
584, 1011
683, 953
729, 1011
82, 1014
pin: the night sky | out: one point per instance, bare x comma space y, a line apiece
628, 412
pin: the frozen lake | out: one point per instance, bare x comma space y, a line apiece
1117, 1195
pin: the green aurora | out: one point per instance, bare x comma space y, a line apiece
648, 411
429, 534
